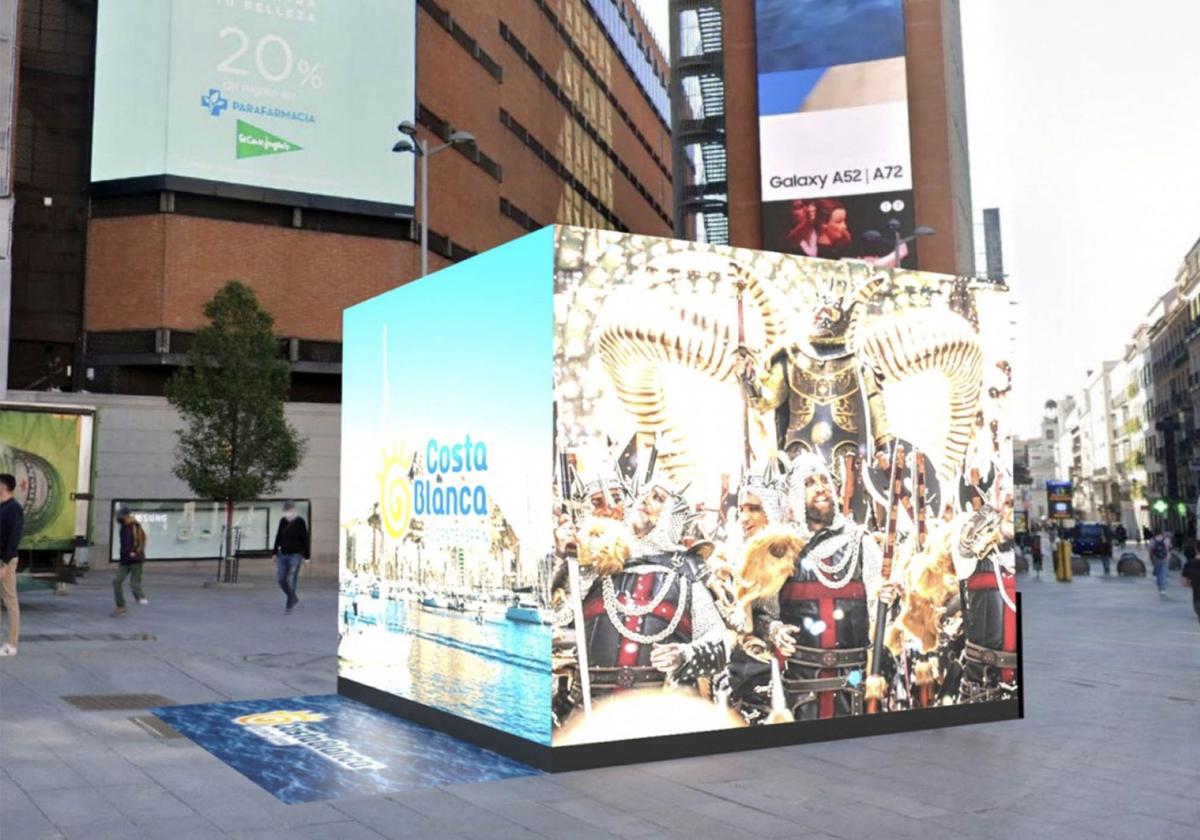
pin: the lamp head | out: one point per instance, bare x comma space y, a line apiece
871, 236
923, 230
404, 146
457, 137
408, 128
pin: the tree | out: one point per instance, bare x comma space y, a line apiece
236, 442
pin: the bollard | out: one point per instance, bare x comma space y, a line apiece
1062, 562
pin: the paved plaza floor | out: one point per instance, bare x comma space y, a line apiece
1110, 746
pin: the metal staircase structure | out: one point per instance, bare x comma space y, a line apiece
697, 92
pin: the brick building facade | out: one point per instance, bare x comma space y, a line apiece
566, 99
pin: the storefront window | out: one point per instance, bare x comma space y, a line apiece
189, 529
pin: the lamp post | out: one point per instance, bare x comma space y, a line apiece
894, 228
423, 151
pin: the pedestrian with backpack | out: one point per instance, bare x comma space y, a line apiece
131, 559
1160, 556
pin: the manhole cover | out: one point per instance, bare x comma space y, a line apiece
151, 724
93, 637
116, 702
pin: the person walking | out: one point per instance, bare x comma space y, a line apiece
291, 549
1191, 574
12, 524
1160, 555
132, 557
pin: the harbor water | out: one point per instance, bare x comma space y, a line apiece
491, 670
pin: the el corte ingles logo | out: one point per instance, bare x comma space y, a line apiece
253, 141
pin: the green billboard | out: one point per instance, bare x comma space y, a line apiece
42, 451
206, 96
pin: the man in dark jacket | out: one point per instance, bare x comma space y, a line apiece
12, 522
1191, 574
131, 559
291, 549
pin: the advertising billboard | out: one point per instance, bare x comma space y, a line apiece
599, 487
293, 100
49, 454
781, 471
1058, 498
446, 453
833, 129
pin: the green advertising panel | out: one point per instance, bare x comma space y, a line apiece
42, 451
292, 100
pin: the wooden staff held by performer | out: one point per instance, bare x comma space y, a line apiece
572, 558
876, 687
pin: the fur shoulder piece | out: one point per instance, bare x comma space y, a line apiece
604, 544
768, 559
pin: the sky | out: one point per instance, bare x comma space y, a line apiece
1083, 126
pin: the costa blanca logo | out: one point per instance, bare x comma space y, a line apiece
279, 717
214, 102
395, 492
445, 481
293, 728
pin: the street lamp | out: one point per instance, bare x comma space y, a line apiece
423, 151
894, 227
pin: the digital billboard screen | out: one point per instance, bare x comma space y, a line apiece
295, 101
446, 428
782, 514
833, 129
1058, 496
701, 489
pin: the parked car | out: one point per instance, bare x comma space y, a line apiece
1091, 538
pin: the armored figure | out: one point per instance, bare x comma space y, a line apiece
648, 616
765, 556
983, 562
826, 384
823, 401
821, 618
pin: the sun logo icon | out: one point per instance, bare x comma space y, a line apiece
279, 717
395, 492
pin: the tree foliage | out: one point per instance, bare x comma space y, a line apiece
236, 442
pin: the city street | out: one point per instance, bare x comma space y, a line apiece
609, 380
1108, 747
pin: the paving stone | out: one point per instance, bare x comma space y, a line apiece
29, 825
74, 807
122, 830
1108, 739
46, 773
180, 828
337, 831
617, 823
386, 817
145, 802
1138, 827
12, 798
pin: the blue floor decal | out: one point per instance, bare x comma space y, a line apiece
306, 749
